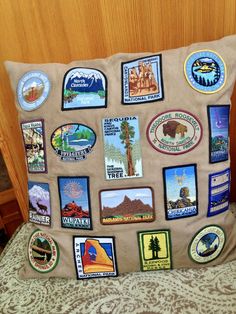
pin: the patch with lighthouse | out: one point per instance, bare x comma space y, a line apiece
84, 88
122, 148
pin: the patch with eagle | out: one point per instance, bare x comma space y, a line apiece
142, 80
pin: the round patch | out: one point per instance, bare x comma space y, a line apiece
174, 132
205, 71
207, 244
32, 90
43, 252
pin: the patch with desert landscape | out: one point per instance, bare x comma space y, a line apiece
129, 205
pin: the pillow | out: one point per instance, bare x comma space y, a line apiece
128, 161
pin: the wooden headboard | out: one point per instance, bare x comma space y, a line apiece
38, 31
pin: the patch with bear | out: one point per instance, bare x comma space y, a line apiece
174, 132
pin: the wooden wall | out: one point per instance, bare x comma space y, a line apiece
38, 31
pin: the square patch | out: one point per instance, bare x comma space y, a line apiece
142, 80
155, 250
180, 190
95, 257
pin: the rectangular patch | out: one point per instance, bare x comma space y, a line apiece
39, 203
122, 148
142, 80
219, 189
130, 205
75, 202
155, 250
218, 118
180, 188
95, 257
34, 142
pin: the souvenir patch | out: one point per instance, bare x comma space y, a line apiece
95, 257
142, 80
130, 205
205, 71
73, 141
155, 250
84, 88
34, 142
75, 202
181, 197
43, 252
207, 244
219, 188
122, 149
39, 203
32, 90
174, 132
218, 117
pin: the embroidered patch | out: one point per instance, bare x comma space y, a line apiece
130, 205
174, 132
205, 71
219, 188
32, 90
95, 257
43, 252
142, 80
75, 202
218, 118
84, 88
180, 188
73, 141
34, 142
155, 250
207, 244
39, 203
122, 149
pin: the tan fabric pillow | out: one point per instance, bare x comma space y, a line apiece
144, 140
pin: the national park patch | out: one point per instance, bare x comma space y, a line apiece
174, 132
180, 188
34, 142
43, 252
207, 244
32, 90
122, 148
84, 88
218, 118
73, 141
75, 202
39, 203
219, 189
128, 205
95, 257
142, 80
155, 250
205, 71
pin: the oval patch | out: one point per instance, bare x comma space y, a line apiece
73, 141
205, 71
43, 252
174, 132
207, 244
32, 90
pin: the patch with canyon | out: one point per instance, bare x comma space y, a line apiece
128, 205
205, 71
95, 257
174, 132
155, 250
75, 202
84, 88
43, 252
142, 80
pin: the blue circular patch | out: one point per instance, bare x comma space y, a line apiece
205, 71
32, 90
